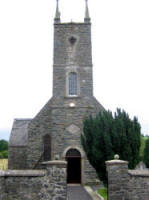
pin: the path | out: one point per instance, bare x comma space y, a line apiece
77, 193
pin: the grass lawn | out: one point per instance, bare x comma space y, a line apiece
103, 193
3, 164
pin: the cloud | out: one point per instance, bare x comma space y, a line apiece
145, 128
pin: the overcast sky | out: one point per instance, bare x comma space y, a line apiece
120, 38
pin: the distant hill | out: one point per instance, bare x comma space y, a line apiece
4, 134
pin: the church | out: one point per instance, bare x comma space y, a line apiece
54, 133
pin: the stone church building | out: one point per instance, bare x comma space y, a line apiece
54, 133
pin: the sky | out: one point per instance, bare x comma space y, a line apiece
120, 47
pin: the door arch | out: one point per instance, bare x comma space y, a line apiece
73, 158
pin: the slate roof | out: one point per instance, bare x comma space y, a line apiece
19, 132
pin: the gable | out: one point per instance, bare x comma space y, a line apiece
19, 133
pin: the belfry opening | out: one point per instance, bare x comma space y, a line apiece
73, 158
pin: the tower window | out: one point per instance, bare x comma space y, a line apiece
47, 148
72, 40
73, 83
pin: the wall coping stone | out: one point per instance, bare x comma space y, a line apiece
116, 162
55, 162
2, 173
72, 23
139, 172
23, 173
22, 119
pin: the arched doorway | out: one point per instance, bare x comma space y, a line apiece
73, 158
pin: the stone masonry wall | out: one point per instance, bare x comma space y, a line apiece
24, 186
56, 184
17, 157
2, 186
124, 184
46, 184
138, 184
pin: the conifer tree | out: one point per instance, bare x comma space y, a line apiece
146, 153
3, 149
106, 135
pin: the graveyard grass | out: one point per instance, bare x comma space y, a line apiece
103, 193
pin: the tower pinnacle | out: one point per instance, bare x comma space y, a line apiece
57, 14
87, 16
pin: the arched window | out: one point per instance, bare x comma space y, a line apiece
73, 83
47, 148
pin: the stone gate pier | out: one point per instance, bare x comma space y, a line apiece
124, 184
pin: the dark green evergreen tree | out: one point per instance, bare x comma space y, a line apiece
3, 145
106, 135
128, 135
96, 141
143, 142
146, 153
3, 149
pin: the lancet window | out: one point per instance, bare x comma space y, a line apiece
72, 83
47, 148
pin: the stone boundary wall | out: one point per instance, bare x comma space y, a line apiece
124, 184
48, 184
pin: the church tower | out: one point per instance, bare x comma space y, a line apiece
55, 131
